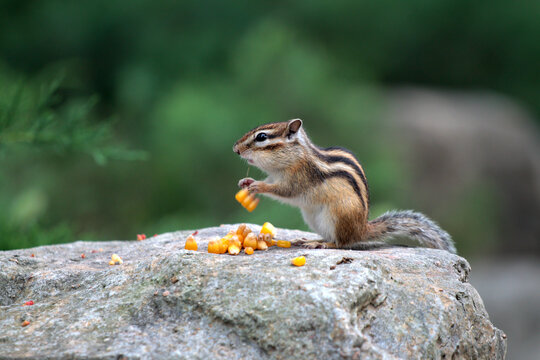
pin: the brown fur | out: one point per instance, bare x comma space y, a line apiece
331, 178
280, 126
305, 176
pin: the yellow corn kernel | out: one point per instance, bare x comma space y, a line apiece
240, 229
236, 241
299, 261
242, 232
224, 245
267, 238
240, 238
268, 228
246, 231
251, 241
261, 245
116, 260
229, 235
283, 243
234, 249
191, 244
241, 195
248, 250
214, 246
247, 200
253, 204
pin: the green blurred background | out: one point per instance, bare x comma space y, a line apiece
118, 117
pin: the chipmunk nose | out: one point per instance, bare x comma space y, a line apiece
235, 149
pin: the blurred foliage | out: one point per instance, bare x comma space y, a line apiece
40, 123
38, 115
183, 80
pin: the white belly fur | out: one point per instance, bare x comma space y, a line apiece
317, 217
319, 220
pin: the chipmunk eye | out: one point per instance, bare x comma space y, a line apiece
261, 137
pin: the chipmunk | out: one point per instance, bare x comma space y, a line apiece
330, 187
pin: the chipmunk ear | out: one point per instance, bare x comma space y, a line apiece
293, 126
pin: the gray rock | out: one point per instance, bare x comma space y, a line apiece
167, 302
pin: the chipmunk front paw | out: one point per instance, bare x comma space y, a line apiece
256, 187
245, 182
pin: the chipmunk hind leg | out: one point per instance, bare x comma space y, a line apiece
350, 230
319, 220
344, 230
314, 244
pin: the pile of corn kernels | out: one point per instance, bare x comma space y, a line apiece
241, 238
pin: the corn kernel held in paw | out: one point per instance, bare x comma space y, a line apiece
268, 228
283, 243
241, 195
191, 244
253, 204
299, 261
115, 260
248, 250
247, 200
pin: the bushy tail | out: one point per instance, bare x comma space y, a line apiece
394, 226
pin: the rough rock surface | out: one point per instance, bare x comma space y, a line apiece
167, 302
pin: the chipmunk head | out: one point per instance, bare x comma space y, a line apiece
273, 146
